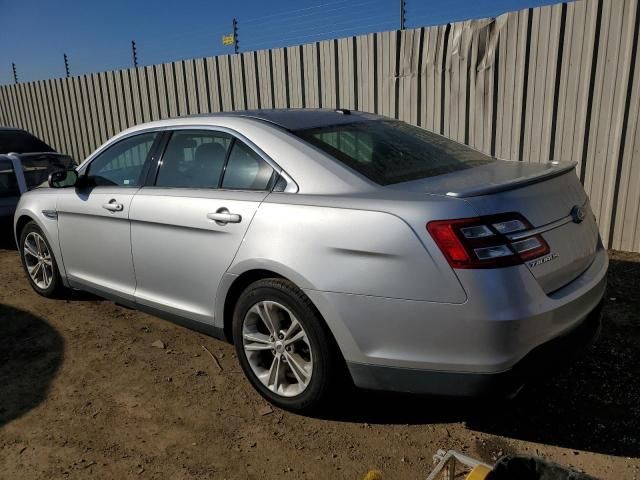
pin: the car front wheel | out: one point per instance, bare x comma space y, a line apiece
38, 261
283, 345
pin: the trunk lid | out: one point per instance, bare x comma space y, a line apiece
550, 197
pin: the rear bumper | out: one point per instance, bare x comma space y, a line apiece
462, 349
553, 354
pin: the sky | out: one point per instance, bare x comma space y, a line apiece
97, 35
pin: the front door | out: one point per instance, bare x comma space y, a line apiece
93, 219
187, 228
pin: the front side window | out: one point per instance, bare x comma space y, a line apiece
122, 164
8, 181
246, 170
194, 159
388, 152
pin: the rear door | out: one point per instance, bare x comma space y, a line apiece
187, 225
93, 219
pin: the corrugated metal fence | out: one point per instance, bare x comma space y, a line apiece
558, 82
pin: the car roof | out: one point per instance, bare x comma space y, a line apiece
290, 119
269, 130
300, 118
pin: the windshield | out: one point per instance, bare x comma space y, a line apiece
19, 141
387, 151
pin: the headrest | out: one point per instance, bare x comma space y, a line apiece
210, 151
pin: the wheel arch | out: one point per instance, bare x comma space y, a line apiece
246, 278
50, 229
239, 284
19, 225
244, 274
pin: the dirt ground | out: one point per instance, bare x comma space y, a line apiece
84, 394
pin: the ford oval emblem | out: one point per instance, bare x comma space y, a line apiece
578, 214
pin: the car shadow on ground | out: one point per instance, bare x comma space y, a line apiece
31, 352
593, 405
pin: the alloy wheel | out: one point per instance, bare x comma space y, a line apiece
277, 348
37, 259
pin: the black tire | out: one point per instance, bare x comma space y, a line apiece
328, 366
55, 288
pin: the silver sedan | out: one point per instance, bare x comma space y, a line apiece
329, 245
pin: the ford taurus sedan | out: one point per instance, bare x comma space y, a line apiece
328, 242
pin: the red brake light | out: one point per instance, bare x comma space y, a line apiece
444, 233
483, 243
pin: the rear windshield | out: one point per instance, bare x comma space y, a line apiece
388, 151
19, 141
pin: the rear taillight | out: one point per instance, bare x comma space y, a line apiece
482, 242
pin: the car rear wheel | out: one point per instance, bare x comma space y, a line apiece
283, 345
38, 261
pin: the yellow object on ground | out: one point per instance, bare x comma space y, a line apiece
479, 472
373, 475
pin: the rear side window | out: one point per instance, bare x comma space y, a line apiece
194, 159
8, 181
122, 164
36, 169
246, 170
19, 141
388, 152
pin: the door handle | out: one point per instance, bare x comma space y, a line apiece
222, 216
113, 206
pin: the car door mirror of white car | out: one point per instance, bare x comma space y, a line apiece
63, 178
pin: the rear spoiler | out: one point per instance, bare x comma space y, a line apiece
555, 171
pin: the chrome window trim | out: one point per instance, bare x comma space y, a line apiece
292, 186
82, 168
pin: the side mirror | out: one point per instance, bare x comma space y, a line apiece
63, 178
